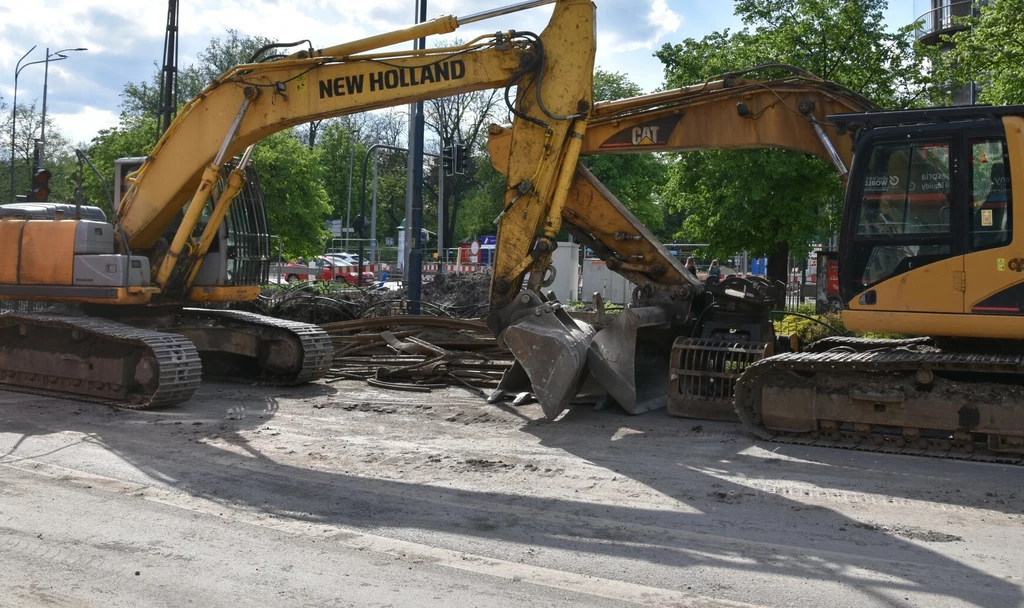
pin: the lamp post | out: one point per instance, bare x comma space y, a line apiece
14, 110
46, 75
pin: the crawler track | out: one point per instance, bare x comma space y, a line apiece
95, 359
896, 397
310, 351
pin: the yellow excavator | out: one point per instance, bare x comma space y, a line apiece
131, 333
926, 249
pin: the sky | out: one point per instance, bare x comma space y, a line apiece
125, 40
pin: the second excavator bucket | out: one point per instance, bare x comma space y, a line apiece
629, 358
703, 376
550, 347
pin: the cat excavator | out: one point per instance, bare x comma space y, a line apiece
130, 321
927, 249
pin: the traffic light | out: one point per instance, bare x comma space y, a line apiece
461, 158
359, 224
40, 186
448, 159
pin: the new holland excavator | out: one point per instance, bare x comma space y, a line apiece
926, 249
132, 335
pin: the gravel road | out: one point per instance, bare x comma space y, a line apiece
342, 494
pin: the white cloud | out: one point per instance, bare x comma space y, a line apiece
124, 43
83, 125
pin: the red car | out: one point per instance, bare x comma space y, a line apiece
327, 268
333, 268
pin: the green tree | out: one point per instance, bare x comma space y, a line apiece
338, 148
633, 178
143, 98
297, 203
135, 136
58, 153
990, 51
771, 201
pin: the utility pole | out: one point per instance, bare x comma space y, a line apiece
42, 125
14, 110
169, 73
351, 166
415, 225
46, 78
440, 211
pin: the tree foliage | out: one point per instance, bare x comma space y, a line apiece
297, 203
461, 119
133, 137
58, 158
768, 201
990, 51
143, 98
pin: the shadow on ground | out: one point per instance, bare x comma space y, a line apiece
730, 523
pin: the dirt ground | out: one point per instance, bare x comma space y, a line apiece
292, 496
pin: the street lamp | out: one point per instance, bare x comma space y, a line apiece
46, 74
14, 110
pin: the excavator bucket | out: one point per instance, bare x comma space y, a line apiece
550, 347
703, 375
630, 358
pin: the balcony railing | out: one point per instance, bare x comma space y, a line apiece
938, 17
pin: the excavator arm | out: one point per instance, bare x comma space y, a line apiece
728, 112
552, 73
176, 204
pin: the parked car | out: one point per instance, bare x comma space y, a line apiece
299, 270
336, 268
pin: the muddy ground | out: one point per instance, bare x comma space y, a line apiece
341, 494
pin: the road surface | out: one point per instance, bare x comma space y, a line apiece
341, 494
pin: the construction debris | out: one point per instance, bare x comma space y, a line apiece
417, 353
456, 295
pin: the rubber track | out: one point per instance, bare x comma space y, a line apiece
180, 369
317, 349
871, 362
861, 345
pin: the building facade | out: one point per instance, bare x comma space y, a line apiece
938, 17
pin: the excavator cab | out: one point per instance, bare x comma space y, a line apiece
239, 254
928, 221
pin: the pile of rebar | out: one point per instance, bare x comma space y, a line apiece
417, 353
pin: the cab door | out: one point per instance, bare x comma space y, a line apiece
903, 226
993, 262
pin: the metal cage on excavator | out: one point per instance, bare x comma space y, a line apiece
240, 255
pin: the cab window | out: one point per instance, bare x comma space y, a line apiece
990, 193
906, 190
904, 217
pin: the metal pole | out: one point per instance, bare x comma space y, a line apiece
46, 77
373, 216
42, 128
351, 166
440, 212
362, 197
497, 12
14, 114
414, 230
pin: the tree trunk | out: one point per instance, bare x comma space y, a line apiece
778, 263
